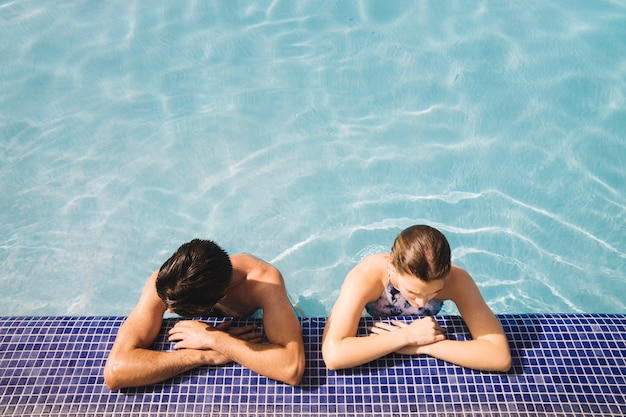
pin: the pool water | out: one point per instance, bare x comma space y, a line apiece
309, 134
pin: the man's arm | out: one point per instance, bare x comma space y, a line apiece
131, 362
283, 357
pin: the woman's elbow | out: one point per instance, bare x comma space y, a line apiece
332, 364
498, 356
333, 367
501, 362
505, 363
330, 358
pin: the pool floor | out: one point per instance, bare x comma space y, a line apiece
563, 365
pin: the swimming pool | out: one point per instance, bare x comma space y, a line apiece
309, 134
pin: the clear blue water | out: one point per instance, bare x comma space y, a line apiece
310, 134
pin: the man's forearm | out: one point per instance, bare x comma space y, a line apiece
141, 367
282, 363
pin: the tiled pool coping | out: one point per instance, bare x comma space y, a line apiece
563, 365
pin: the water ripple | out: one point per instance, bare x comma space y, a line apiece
310, 134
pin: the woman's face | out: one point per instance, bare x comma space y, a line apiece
417, 292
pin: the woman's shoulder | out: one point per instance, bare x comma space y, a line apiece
372, 268
373, 264
458, 285
364, 283
459, 274
377, 260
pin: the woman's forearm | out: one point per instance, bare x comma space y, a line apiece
354, 351
483, 355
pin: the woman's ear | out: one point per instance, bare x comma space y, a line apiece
392, 269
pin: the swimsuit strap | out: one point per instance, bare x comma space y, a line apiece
388, 273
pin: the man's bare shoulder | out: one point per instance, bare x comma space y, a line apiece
149, 298
255, 269
246, 259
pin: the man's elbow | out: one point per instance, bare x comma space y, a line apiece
294, 378
295, 372
111, 376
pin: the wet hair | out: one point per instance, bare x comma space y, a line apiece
422, 251
194, 278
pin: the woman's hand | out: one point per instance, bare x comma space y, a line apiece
420, 332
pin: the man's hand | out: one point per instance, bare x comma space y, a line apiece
191, 334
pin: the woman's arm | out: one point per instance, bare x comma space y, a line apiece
489, 349
341, 348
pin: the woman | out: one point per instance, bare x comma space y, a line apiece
413, 280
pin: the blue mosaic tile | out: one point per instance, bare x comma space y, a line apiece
563, 365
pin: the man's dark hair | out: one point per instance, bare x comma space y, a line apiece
422, 251
194, 278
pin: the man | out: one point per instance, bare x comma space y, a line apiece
200, 279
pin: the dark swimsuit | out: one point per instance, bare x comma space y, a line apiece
392, 303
